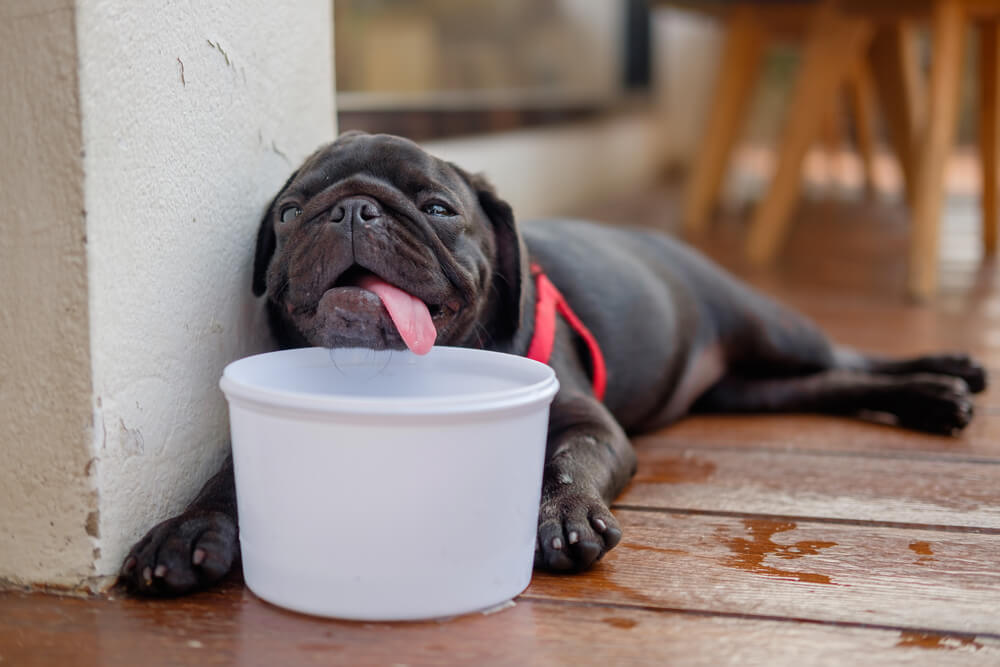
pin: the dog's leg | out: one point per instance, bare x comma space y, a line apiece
779, 361
589, 460
955, 365
933, 403
192, 550
763, 338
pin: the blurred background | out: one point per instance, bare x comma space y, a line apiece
433, 68
690, 105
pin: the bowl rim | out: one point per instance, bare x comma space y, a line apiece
542, 390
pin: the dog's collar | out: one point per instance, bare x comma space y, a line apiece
549, 300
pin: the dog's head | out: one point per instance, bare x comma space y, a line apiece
374, 243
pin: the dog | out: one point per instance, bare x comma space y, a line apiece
374, 243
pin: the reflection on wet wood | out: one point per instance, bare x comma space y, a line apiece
805, 570
816, 433
863, 488
232, 627
751, 554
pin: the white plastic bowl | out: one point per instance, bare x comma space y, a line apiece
388, 486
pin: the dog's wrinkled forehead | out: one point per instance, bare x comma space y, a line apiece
387, 158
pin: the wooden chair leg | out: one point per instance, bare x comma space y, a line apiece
895, 68
862, 105
948, 26
742, 52
832, 46
989, 120
832, 128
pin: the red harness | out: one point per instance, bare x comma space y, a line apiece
548, 300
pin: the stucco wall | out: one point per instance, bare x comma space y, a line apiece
46, 494
193, 116
141, 145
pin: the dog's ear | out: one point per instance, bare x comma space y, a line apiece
511, 273
267, 242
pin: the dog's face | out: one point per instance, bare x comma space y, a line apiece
375, 243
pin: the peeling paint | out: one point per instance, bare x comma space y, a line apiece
92, 524
218, 47
277, 151
131, 440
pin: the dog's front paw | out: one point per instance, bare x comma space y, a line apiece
183, 554
575, 530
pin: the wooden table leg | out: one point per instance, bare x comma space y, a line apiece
989, 108
833, 45
741, 56
895, 67
948, 26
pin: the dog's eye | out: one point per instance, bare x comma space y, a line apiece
289, 213
438, 209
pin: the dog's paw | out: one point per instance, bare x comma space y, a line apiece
933, 403
575, 530
183, 554
956, 365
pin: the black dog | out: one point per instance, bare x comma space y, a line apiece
375, 243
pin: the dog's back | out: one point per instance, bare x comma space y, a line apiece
646, 296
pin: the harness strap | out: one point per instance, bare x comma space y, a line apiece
548, 301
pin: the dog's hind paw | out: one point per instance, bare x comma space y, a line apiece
575, 530
933, 403
180, 555
957, 365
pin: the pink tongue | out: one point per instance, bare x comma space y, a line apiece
408, 313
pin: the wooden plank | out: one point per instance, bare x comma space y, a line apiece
948, 28
814, 433
737, 76
989, 128
233, 627
924, 490
907, 578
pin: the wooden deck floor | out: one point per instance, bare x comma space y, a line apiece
748, 540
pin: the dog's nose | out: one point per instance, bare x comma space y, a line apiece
355, 209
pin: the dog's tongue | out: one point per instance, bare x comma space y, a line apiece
408, 313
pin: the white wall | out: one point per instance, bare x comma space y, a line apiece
127, 273
47, 500
193, 115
